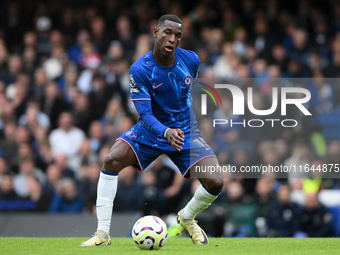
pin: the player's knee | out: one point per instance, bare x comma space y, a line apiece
111, 162
214, 185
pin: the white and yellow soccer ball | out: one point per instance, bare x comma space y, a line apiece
150, 233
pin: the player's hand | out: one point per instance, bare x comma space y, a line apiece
175, 138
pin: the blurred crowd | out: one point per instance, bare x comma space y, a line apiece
64, 99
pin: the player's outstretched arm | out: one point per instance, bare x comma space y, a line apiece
175, 138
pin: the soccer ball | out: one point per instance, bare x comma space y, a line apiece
150, 233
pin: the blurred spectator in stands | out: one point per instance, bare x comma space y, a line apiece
52, 104
239, 210
205, 64
7, 191
130, 192
321, 34
85, 156
272, 80
264, 195
316, 219
65, 169
124, 81
240, 42
115, 52
89, 62
88, 186
282, 149
263, 38
7, 111
279, 57
53, 177
13, 24
22, 137
259, 70
316, 62
322, 95
333, 152
97, 138
33, 117
4, 55
333, 70
125, 124
43, 27
283, 217
68, 25
26, 168
125, 35
8, 145
29, 59
54, 65
57, 40
227, 64
99, 96
14, 68
37, 195
74, 51
98, 34
39, 84
213, 40
301, 155
70, 84
269, 156
29, 39
295, 68
300, 48
242, 212
114, 112
67, 199
144, 44
3, 167
25, 150
82, 112
17, 94
44, 152
66, 139
230, 24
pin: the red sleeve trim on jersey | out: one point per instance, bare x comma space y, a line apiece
140, 99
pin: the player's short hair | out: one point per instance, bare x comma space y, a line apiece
170, 17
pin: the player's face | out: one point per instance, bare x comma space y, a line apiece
168, 37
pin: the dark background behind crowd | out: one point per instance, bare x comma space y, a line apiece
64, 99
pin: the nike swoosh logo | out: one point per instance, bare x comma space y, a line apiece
97, 244
205, 241
156, 86
100, 206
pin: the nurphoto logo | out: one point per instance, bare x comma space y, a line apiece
278, 95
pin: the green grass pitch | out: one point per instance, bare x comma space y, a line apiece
180, 246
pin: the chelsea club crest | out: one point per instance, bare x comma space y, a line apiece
187, 80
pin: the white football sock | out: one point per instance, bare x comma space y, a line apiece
200, 201
106, 193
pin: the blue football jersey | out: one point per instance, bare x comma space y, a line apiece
168, 89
